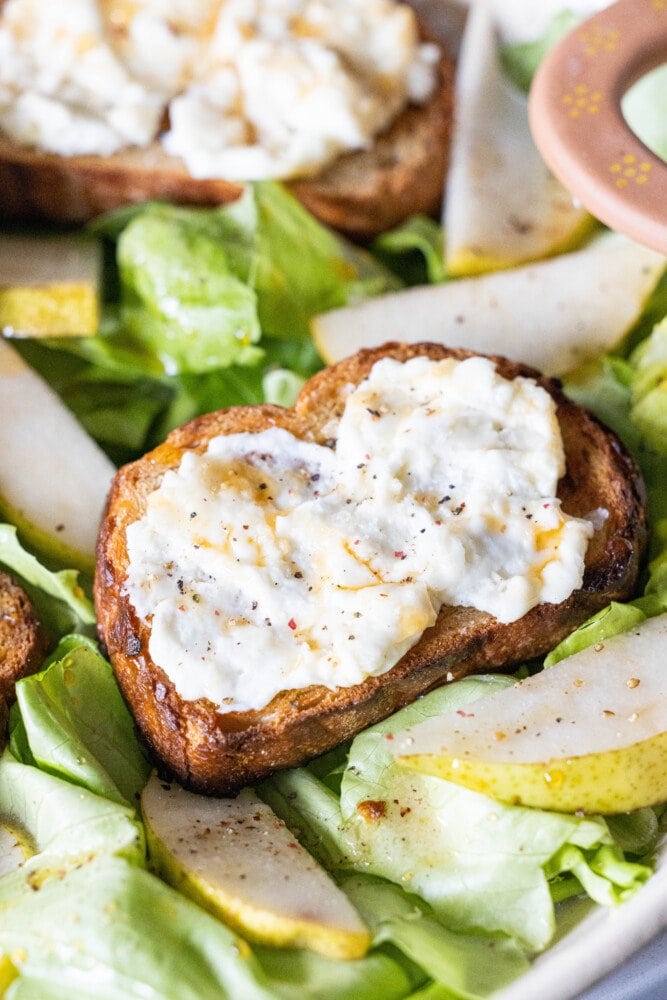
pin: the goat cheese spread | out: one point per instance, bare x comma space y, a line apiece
251, 88
269, 563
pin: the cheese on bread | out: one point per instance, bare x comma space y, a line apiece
268, 563
252, 88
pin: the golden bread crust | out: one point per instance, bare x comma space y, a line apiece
218, 753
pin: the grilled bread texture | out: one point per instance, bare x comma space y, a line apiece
218, 753
362, 193
23, 641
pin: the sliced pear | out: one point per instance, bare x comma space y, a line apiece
503, 206
49, 286
53, 477
8, 973
237, 859
554, 314
588, 734
14, 849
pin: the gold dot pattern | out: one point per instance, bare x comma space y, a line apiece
598, 41
629, 170
582, 100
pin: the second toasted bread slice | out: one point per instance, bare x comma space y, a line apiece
362, 193
218, 752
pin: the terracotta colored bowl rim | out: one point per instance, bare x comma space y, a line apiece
578, 126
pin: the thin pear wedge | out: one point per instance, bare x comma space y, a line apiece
503, 206
49, 286
589, 734
239, 861
53, 477
553, 315
15, 848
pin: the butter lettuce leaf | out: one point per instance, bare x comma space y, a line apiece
415, 250
644, 107
469, 966
200, 287
297, 266
630, 395
181, 297
520, 60
110, 930
77, 726
58, 595
64, 825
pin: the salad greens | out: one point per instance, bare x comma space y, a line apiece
204, 308
478, 864
208, 308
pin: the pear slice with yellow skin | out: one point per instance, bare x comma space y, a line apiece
8, 973
49, 286
238, 860
554, 314
589, 734
503, 206
15, 849
53, 477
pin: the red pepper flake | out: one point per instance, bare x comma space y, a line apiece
400, 554
367, 457
465, 715
291, 624
389, 736
546, 506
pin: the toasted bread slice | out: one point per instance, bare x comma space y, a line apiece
23, 641
218, 753
362, 193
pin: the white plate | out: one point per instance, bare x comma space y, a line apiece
598, 943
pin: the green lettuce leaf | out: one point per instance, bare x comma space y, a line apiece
298, 267
469, 966
521, 60
199, 287
77, 726
62, 586
644, 107
304, 975
109, 930
415, 250
630, 395
182, 297
65, 825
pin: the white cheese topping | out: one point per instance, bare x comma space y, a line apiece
269, 563
61, 86
253, 88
